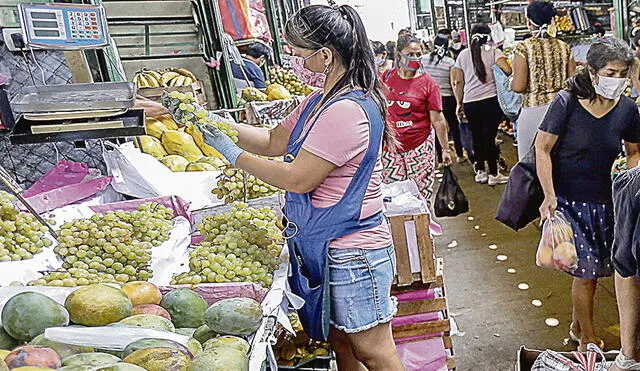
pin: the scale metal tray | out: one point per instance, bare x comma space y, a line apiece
75, 97
133, 124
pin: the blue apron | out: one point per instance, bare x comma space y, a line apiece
311, 229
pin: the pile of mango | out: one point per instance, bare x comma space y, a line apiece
563, 23
273, 92
214, 334
180, 148
288, 79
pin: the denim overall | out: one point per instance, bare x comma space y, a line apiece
311, 229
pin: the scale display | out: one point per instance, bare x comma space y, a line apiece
64, 26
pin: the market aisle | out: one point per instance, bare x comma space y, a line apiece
495, 315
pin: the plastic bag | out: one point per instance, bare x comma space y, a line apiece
557, 249
5, 74
450, 200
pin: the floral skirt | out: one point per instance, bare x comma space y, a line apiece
418, 164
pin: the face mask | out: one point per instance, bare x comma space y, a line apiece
315, 79
456, 45
410, 63
379, 61
610, 87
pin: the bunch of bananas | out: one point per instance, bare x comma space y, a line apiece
295, 350
164, 78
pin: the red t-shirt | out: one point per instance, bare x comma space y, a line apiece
409, 103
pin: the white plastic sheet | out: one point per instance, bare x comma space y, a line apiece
140, 175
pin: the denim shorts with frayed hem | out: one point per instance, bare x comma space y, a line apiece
360, 287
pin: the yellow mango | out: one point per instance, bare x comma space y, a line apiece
208, 151
179, 143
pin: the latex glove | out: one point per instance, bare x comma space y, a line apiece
221, 142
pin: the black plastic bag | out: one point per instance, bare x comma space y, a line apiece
450, 200
522, 197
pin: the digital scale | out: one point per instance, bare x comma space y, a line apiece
72, 112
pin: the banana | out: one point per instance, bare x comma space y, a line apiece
167, 77
155, 75
141, 81
178, 81
151, 80
186, 72
187, 81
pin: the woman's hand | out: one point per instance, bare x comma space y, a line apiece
548, 208
221, 142
460, 111
446, 157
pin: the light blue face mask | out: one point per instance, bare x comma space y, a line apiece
379, 61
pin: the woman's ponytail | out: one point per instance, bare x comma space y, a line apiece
480, 34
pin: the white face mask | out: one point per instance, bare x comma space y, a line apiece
610, 87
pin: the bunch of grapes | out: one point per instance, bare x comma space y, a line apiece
242, 245
111, 247
21, 234
185, 110
234, 183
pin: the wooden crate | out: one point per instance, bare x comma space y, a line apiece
426, 250
440, 327
197, 88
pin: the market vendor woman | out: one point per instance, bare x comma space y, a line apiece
342, 257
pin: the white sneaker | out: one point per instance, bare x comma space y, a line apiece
482, 177
498, 179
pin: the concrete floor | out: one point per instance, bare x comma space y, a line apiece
494, 314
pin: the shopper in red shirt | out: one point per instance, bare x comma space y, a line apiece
415, 111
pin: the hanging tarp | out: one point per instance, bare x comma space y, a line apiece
245, 19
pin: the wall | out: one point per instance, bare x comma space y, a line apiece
382, 18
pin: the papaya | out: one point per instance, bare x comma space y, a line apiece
186, 331
236, 316
204, 333
227, 341
151, 309
155, 343
98, 305
193, 158
185, 306
149, 321
179, 143
200, 166
277, 92
155, 128
221, 359
253, 95
151, 146
175, 163
213, 161
168, 121
196, 134
194, 346
33, 355
90, 359
6, 341
121, 366
160, 359
142, 292
63, 350
27, 314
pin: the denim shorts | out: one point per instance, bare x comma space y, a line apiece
360, 288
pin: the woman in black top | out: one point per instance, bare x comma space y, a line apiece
578, 141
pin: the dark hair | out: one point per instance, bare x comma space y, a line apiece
596, 29
440, 48
257, 50
406, 40
341, 30
540, 13
600, 54
445, 31
378, 47
391, 49
405, 32
478, 39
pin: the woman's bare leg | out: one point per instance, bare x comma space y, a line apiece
345, 358
628, 296
376, 349
582, 294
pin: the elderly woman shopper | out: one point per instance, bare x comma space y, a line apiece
415, 112
476, 96
576, 146
541, 67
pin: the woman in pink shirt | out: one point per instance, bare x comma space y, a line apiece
342, 256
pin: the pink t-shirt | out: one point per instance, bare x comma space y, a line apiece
341, 136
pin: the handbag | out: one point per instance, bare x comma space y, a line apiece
523, 194
510, 101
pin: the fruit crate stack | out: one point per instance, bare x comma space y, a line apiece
151, 84
423, 310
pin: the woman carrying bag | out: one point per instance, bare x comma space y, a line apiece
415, 112
342, 256
578, 141
476, 95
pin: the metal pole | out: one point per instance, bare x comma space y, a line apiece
225, 77
272, 17
467, 28
434, 16
411, 4
621, 17
447, 15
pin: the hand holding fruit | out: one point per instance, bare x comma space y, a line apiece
221, 142
548, 208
